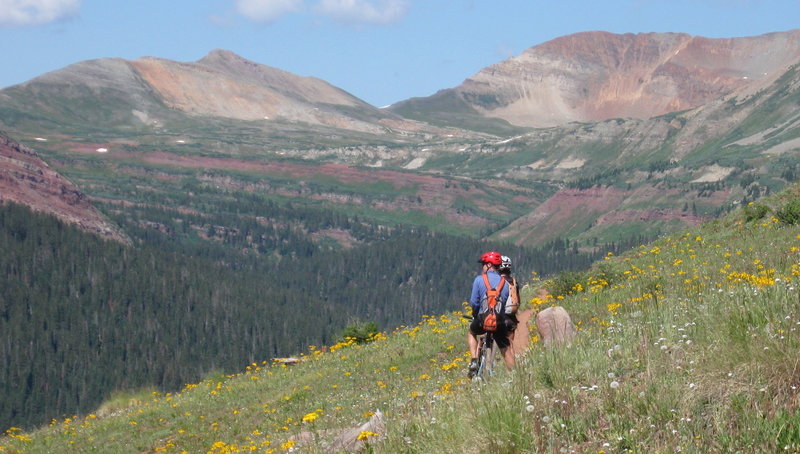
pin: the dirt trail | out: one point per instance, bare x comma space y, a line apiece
522, 336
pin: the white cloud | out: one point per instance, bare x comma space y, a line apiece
366, 11
354, 11
36, 12
267, 10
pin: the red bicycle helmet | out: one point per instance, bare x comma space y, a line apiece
492, 257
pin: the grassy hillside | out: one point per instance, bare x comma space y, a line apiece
688, 344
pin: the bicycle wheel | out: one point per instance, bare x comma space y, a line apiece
486, 356
491, 350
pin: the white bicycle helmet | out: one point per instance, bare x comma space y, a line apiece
505, 262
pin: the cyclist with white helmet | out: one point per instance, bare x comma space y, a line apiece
512, 305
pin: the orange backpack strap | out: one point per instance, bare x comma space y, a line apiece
492, 294
486, 282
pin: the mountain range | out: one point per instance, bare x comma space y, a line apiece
592, 137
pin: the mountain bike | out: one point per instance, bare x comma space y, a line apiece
487, 349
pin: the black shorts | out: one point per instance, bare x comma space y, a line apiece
500, 336
511, 322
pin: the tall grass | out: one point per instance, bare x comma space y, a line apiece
688, 344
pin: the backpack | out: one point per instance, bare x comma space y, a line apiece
512, 305
492, 311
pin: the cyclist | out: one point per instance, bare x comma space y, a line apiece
490, 263
512, 304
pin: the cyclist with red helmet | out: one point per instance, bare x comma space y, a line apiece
490, 263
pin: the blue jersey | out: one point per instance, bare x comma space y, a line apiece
479, 290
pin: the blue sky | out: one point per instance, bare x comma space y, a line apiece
381, 51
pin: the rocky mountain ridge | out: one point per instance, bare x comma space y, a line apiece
162, 96
595, 76
27, 180
226, 85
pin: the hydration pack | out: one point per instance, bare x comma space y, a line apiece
512, 304
490, 310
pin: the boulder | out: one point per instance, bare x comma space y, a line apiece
555, 326
343, 440
348, 440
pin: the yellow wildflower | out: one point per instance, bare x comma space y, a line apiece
364, 435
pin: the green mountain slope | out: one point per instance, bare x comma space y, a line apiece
686, 344
446, 108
